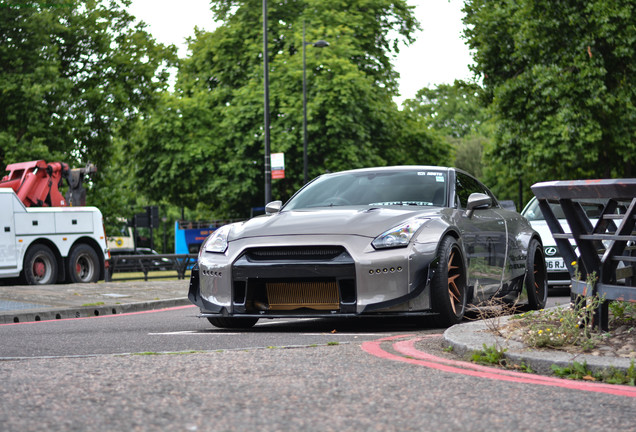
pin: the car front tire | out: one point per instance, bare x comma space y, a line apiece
448, 286
237, 323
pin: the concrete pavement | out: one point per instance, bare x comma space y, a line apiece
24, 303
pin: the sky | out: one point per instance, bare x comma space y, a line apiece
438, 56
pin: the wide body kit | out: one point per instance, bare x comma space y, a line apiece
319, 269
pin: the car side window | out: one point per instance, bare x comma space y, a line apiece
466, 185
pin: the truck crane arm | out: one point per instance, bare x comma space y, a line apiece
37, 183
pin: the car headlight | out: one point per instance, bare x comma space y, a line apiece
399, 236
217, 242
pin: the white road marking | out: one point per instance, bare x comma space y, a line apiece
204, 332
190, 332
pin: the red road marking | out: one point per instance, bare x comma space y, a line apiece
102, 316
407, 347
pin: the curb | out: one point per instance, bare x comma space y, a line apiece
470, 337
52, 314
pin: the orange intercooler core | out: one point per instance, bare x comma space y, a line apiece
297, 295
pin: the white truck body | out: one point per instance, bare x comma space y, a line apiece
72, 234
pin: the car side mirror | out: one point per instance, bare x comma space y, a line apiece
273, 207
478, 201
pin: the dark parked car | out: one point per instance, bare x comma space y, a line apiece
392, 241
130, 260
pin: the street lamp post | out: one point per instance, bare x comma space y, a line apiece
267, 169
317, 44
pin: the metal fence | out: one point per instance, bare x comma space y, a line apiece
597, 247
149, 264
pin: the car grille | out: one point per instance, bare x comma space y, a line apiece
296, 295
283, 279
294, 253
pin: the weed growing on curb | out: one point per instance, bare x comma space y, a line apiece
490, 355
491, 313
524, 368
555, 328
580, 371
624, 313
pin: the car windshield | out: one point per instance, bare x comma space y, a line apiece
380, 188
593, 208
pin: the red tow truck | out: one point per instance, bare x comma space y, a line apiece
45, 237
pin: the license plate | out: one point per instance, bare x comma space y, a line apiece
555, 264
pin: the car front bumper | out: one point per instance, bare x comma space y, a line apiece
283, 277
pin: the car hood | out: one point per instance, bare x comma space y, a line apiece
361, 221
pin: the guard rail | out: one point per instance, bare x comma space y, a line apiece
600, 257
146, 264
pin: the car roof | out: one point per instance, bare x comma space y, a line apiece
395, 168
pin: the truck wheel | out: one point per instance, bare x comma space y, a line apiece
40, 266
83, 264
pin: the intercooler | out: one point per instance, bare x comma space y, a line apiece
295, 295
284, 279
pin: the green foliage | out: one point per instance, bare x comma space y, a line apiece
206, 141
576, 370
456, 112
560, 76
559, 327
580, 371
490, 355
75, 76
623, 313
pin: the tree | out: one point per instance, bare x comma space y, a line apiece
457, 112
561, 78
74, 76
352, 120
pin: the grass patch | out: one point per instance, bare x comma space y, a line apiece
94, 304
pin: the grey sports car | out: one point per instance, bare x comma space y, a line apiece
391, 241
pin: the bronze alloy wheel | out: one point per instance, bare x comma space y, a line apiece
539, 276
448, 286
454, 293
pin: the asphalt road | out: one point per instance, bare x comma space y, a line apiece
178, 329
115, 373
